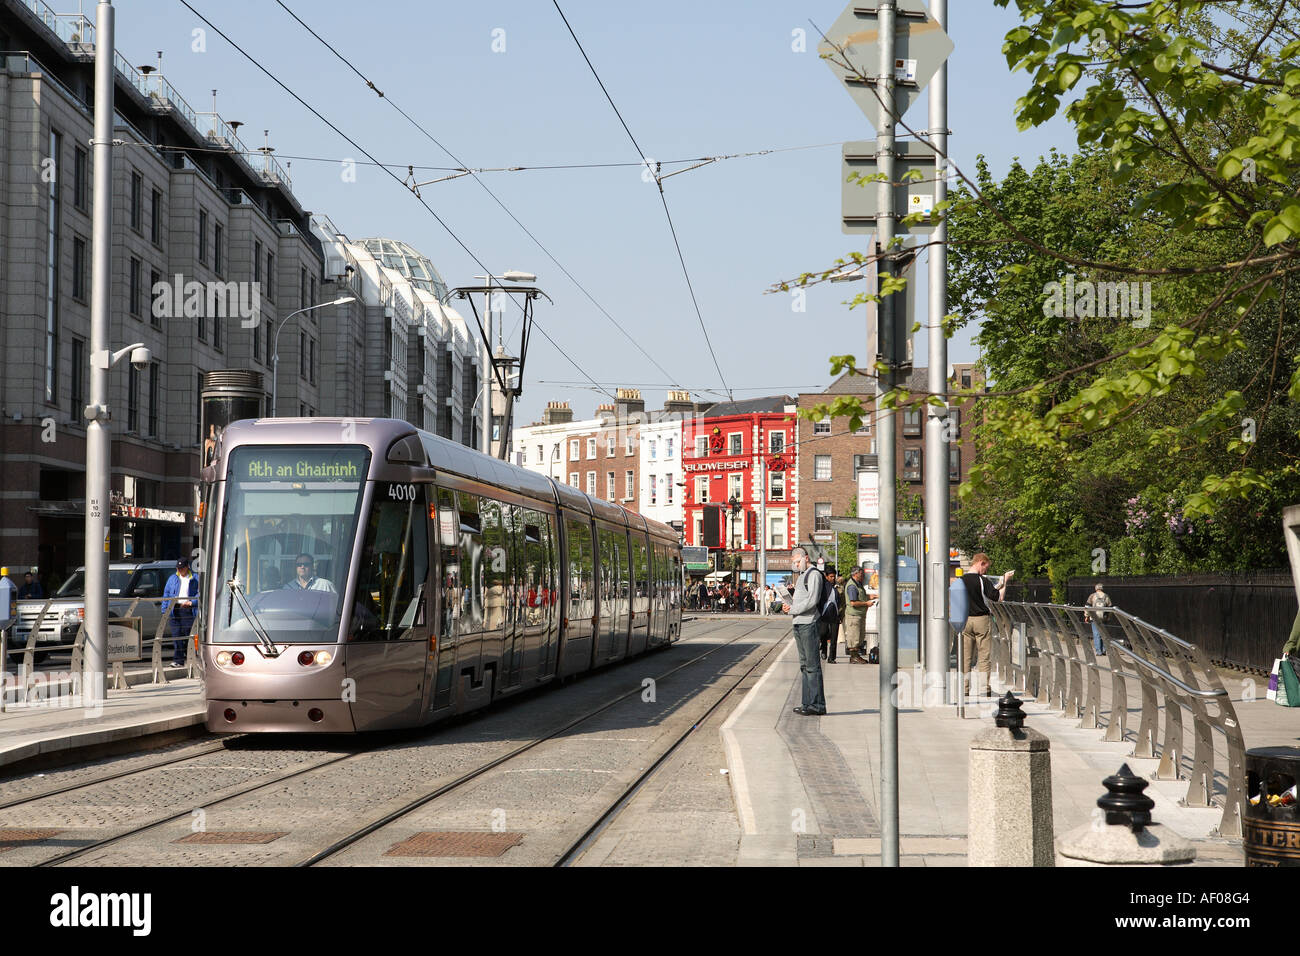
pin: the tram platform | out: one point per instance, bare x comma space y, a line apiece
52, 725
807, 788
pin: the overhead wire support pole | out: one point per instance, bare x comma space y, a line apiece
888, 456
937, 500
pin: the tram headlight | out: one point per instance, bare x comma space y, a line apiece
323, 657
223, 657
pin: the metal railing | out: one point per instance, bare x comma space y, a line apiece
1047, 650
31, 637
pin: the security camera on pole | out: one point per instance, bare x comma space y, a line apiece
884, 56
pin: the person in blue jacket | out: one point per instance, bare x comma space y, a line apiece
185, 587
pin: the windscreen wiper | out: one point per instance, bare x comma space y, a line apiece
237, 591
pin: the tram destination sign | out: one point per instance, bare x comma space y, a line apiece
253, 464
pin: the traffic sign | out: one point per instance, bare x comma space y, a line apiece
921, 46
871, 526
904, 308
912, 194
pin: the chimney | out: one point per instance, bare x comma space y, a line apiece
557, 413
679, 402
629, 401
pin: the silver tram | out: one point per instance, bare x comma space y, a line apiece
365, 575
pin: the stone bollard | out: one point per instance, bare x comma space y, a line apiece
1010, 793
1122, 833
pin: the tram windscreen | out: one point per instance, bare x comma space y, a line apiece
287, 537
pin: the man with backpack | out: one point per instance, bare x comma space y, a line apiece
805, 607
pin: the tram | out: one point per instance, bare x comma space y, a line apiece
361, 574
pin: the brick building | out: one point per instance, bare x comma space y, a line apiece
831, 456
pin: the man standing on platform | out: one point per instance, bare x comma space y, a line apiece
804, 606
832, 639
184, 586
857, 599
977, 639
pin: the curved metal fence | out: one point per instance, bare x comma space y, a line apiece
1047, 651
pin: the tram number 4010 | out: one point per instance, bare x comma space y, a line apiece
401, 492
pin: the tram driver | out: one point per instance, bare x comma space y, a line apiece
305, 579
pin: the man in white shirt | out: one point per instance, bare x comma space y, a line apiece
306, 579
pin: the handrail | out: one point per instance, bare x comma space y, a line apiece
1195, 691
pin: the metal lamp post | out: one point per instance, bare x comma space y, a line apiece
275, 356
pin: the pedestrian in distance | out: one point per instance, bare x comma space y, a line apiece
185, 588
1097, 600
804, 606
977, 638
857, 599
31, 588
830, 638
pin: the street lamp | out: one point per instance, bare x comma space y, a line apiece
514, 275
275, 357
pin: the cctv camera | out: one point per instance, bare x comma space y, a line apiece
140, 357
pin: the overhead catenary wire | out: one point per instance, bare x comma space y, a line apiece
465, 170
275, 79
663, 198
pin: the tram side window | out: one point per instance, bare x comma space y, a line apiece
449, 545
390, 595
471, 564
532, 568
496, 566
550, 564
581, 569
641, 575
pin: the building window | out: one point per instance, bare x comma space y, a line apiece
954, 422
302, 287
591, 448
218, 253
539, 455
573, 479
668, 448
776, 482
154, 279
654, 490
270, 277
155, 392
133, 400
137, 200
911, 464
733, 486
822, 427
629, 485
257, 261
591, 483
269, 342
133, 292
155, 217
609, 485
701, 445
912, 422
573, 450
629, 447
668, 488
203, 237
302, 354
80, 181
865, 428
652, 447
954, 464
312, 299
702, 491
53, 229
776, 442
78, 378
776, 532
965, 378
822, 516
257, 346
821, 468
79, 268
735, 442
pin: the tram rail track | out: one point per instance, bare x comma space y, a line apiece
360, 834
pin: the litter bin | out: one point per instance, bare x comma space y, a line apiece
1271, 826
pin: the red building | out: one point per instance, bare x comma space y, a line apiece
735, 458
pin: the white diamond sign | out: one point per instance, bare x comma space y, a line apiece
921, 46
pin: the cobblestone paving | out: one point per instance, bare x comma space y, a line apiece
837, 801
33, 782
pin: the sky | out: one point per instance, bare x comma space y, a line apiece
501, 83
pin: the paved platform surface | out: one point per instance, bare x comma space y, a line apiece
806, 788
55, 721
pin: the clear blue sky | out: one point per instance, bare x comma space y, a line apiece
690, 78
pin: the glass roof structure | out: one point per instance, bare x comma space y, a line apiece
401, 257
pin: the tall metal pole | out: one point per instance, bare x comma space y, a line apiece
888, 457
936, 447
762, 519
98, 448
485, 440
